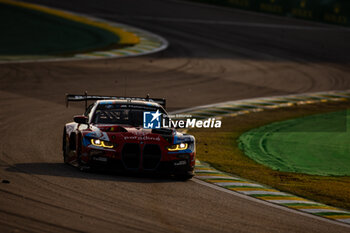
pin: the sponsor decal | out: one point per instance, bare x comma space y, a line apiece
153, 120
102, 159
142, 138
180, 163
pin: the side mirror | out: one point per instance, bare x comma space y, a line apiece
81, 119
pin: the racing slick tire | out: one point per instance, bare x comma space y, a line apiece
184, 176
65, 147
84, 167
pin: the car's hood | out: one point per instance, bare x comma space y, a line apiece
131, 129
125, 132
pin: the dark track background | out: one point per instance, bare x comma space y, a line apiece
215, 54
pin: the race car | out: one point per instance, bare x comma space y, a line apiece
112, 134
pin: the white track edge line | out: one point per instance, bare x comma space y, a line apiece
274, 205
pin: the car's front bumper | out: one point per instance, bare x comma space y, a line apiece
171, 163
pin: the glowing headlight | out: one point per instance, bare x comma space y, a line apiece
176, 147
100, 143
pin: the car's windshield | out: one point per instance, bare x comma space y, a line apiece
125, 114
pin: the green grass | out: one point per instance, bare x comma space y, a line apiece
30, 32
219, 147
316, 145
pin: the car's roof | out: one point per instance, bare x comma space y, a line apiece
129, 101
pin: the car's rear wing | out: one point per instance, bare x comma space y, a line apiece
86, 97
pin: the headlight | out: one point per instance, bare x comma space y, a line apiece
100, 143
176, 147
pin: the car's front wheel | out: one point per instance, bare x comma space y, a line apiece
65, 148
184, 176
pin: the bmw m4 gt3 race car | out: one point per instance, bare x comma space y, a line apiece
113, 133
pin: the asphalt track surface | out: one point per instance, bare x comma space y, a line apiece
215, 54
